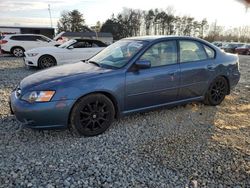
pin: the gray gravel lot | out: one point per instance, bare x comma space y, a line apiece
186, 146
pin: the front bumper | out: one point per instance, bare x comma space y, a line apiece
54, 114
5, 52
30, 61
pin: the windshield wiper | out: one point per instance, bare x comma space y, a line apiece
95, 63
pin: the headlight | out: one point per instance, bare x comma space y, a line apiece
32, 54
38, 96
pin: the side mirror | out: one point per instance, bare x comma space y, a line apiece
142, 64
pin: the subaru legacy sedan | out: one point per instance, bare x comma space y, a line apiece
131, 75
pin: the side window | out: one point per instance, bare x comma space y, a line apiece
99, 44
13, 38
16, 38
162, 53
42, 39
31, 38
24, 38
191, 51
82, 44
210, 52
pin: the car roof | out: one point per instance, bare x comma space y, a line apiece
23, 35
158, 37
82, 40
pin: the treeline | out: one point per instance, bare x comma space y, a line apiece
135, 22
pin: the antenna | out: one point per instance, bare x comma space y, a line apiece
50, 15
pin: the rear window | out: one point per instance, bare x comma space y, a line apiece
210, 52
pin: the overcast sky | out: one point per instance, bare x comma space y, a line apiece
35, 12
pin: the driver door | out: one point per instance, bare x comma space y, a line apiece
83, 50
157, 85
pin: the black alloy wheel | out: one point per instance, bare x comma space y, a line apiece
217, 91
46, 62
92, 115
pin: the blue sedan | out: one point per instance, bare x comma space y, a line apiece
131, 75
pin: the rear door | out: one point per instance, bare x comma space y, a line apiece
156, 85
196, 67
28, 42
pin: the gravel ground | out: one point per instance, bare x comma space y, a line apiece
186, 146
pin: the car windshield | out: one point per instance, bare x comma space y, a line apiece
66, 44
118, 54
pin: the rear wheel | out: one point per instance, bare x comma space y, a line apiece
92, 115
18, 52
217, 91
46, 61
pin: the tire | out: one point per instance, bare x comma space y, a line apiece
92, 115
46, 61
18, 51
217, 91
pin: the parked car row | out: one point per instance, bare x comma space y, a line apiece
243, 50
69, 52
233, 47
17, 44
43, 52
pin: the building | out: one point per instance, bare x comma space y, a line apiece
47, 31
104, 37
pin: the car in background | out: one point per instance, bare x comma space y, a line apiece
132, 75
230, 47
243, 50
1, 37
72, 51
219, 44
17, 44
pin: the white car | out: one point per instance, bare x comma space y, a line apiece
72, 51
17, 44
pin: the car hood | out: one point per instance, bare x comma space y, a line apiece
47, 49
61, 73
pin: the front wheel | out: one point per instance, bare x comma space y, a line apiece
217, 91
46, 61
92, 115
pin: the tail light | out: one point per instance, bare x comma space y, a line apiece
3, 41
